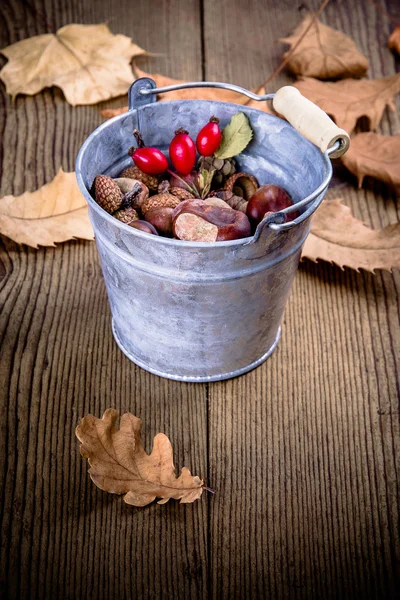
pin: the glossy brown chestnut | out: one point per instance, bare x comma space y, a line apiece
268, 198
230, 224
176, 180
161, 219
144, 226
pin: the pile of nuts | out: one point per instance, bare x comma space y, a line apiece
209, 203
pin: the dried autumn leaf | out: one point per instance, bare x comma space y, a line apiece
56, 212
191, 94
348, 100
338, 237
87, 62
394, 39
324, 53
374, 155
120, 465
109, 113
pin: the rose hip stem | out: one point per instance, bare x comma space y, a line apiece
192, 190
139, 138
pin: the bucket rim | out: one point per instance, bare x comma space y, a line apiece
158, 238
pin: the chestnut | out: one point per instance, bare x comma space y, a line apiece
144, 226
195, 221
180, 181
161, 219
268, 198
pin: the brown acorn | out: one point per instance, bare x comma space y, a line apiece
181, 193
136, 196
242, 184
126, 215
164, 200
135, 173
235, 202
107, 193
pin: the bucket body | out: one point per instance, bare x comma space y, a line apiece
199, 311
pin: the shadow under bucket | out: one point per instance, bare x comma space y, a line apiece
192, 311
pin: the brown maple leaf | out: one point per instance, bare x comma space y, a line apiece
348, 100
87, 62
56, 212
192, 94
338, 237
324, 53
394, 40
120, 465
375, 155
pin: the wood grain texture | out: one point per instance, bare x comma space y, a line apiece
61, 536
303, 452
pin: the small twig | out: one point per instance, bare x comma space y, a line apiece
209, 490
383, 10
39, 16
290, 53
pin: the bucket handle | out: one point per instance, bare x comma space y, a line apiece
305, 116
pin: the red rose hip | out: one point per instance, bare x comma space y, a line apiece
149, 160
209, 138
182, 152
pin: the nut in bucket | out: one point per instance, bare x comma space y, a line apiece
209, 310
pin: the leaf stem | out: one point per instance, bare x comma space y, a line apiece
291, 51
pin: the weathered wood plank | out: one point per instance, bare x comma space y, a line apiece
303, 451
61, 536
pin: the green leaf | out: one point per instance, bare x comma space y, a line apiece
235, 137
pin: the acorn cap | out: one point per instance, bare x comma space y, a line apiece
164, 200
181, 193
107, 193
126, 215
242, 184
134, 172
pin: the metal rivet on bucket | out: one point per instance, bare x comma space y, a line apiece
208, 311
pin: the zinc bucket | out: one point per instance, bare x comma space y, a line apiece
201, 311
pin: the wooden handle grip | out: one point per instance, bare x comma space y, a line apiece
310, 120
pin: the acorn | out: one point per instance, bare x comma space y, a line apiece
135, 173
107, 193
181, 193
134, 197
164, 200
126, 215
235, 202
165, 186
242, 184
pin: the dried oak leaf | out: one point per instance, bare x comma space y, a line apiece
56, 212
120, 465
374, 155
348, 100
394, 39
87, 62
324, 53
191, 94
338, 237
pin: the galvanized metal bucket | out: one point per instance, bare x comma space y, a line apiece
203, 311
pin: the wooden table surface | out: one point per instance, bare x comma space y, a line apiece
302, 452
